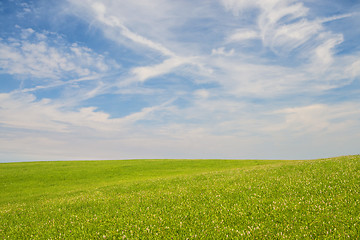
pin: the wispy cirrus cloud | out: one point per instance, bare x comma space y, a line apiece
113, 24
243, 34
106, 18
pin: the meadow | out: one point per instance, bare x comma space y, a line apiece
181, 199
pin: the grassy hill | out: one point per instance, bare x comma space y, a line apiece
179, 199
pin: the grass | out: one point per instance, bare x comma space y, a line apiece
180, 199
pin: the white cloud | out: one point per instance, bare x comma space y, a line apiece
319, 118
44, 58
354, 69
113, 21
281, 24
222, 51
236, 6
239, 77
324, 53
243, 34
311, 63
53, 116
274, 11
291, 36
144, 73
232, 129
286, 35
25, 33
114, 25
202, 93
336, 17
250, 76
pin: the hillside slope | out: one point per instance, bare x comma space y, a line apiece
201, 199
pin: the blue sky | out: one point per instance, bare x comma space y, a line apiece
120, 79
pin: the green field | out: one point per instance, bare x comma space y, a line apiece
180, 199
